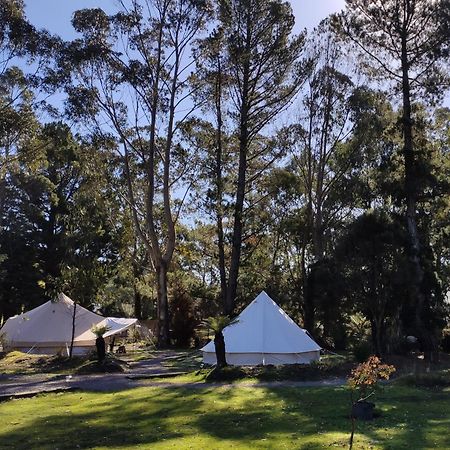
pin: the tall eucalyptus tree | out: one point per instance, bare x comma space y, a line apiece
130, 75
254, 66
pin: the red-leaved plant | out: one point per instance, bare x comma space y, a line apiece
363, 380
365, 376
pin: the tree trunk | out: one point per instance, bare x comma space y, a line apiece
101, 349
73, 329
219, 345
238, 220
219, 186
311, 284
137, 273
137, 302
240, 191
163, 307
417, 276
309, 311
237, 229
378, 337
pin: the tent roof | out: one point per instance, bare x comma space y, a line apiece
263, 327
118, 324
51, 324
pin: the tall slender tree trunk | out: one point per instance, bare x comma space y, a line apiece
315, 218
238, 219
311, 283
241, 182
417, 274
163, 306
137, 302
219, 185
74, 314
309, 310
136, 274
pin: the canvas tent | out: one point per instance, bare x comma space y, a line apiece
264, 334
48, 328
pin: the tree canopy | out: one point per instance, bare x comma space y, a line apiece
178, 156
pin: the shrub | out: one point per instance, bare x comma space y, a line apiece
364, 378
361, 351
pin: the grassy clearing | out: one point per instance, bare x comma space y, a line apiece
219, 418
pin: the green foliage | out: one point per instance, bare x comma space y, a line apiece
362, 351
321, 199
372, 259
218, 323
59, 234
100, 330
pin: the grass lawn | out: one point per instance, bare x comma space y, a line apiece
211, 417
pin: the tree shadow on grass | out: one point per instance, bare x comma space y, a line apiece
314, 418
256, 418
408, 419
115, 420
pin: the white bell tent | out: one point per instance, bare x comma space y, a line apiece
264, 334
47, 329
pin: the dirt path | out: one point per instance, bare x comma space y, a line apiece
119, 382
29, 385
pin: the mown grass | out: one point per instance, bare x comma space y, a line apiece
225, 417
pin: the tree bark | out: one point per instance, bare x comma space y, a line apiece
309, 315
240, 191
219, 345
101, 349
137, 302
417, 277
137, 273
219, 186
73, 329
163, 307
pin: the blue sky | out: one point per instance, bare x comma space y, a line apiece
55, 15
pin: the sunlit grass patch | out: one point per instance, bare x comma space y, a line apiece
224, 417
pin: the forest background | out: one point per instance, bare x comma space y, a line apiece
170, 159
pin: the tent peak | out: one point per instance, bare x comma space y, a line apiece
263, 295
63, 298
